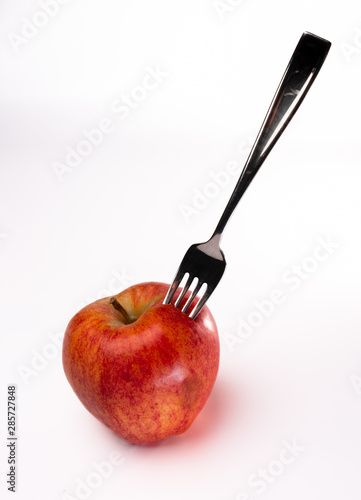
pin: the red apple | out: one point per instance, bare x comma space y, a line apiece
142, 368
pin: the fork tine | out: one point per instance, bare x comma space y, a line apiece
173, 288
192, 297
184, 291
200, 303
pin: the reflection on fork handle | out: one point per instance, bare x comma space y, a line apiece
305, 63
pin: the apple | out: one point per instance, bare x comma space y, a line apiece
143, 368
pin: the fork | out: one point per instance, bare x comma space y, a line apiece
204, 263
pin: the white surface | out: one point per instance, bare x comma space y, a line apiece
297, 375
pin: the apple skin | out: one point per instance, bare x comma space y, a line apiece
146, 380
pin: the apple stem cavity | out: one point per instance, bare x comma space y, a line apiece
120, 308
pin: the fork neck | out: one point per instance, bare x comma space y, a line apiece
215, 239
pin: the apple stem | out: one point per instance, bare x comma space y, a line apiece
121, 309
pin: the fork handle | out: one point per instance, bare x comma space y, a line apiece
305, 63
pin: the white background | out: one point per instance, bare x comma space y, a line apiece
120, 212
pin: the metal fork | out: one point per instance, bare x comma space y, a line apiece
204, 263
